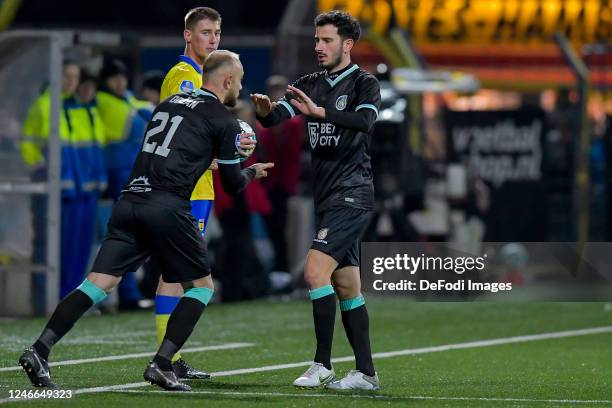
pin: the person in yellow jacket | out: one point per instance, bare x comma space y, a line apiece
202, 35
82, 173
125, 119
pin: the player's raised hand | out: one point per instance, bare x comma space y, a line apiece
261, 169
304, 104
263, 104
246, 144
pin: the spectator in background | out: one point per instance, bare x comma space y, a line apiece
281, 144
82, 178
242, 275
125, 119
151, 85
34, 150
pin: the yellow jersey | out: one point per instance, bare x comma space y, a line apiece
186, 76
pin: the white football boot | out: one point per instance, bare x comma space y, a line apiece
356, 380
315, 376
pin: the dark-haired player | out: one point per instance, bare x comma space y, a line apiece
153, 216
341, 105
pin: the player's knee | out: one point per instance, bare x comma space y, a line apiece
317, 271
313, 278
103, 281
205, 282
169, 289
346, 290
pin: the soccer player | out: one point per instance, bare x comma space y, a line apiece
340, 105
202, 35
153, 217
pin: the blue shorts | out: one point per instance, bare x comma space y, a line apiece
201, 210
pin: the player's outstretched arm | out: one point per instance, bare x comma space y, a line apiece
263, 104
271, 113
361, 121
234, 180
304, 104
261, 169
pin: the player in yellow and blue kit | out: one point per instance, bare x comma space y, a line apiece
202, 35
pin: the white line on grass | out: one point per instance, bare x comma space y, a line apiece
433, 349
367, 396
227, 346
406, 352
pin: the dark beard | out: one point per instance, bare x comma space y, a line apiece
231, 100
333, 64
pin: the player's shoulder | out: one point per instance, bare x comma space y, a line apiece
192, 100
180, 78
310, 78
180, 68
209, 105
365, 81
364, 76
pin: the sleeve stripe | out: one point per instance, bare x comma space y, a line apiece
367, 106
288, 107
232, 161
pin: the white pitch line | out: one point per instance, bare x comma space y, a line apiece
227, 346
378, 397
433, 349
390, 354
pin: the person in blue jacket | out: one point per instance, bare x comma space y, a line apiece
125, 119
82, 175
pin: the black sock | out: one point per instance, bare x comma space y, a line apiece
347, 329
66, 314
357, 326
324, 314
163, 358
180, 325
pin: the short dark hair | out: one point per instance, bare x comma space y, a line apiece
194, 15
347, 25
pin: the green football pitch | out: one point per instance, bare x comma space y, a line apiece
426, 354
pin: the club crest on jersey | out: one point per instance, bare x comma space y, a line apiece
322, 234
322, 134
341, 102
186, 86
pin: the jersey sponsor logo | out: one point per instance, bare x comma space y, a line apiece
322, 134
321, 235
341, 102
186, 86
139, 185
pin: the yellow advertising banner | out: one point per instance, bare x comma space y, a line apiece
485, 21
